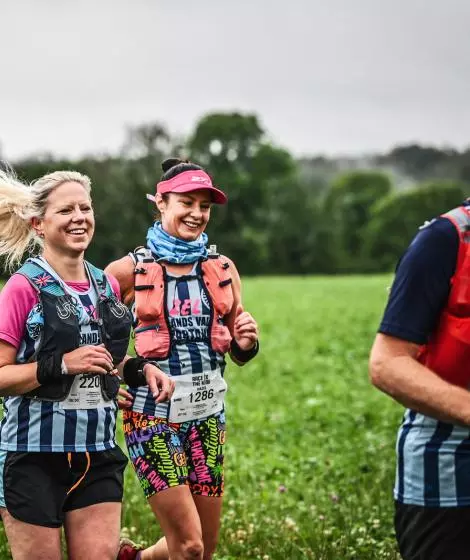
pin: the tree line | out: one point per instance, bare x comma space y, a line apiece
285, 216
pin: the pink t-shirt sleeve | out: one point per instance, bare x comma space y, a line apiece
114, 285
17, 298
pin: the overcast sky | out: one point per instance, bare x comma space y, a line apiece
324, 76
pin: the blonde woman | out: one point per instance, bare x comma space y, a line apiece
63, 331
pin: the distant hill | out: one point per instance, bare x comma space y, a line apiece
406, 165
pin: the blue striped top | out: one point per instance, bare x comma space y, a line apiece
189, 314
33, 425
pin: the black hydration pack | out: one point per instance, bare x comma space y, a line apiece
61, 329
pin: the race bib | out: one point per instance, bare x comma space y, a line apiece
85, 393
196, 396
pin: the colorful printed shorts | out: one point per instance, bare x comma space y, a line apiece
166, 455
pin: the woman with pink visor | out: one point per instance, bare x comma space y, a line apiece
188, 315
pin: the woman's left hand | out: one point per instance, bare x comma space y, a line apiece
125, 399
245, 329
161, 386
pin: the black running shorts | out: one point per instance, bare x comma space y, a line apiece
40, 488
432, 533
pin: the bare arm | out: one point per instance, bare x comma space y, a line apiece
393, 369
18, 379
241, 324
237, 297
123, 271
15, 379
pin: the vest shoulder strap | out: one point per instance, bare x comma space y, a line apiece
460, 217
99, 277
218, 264
141, 254
218, 280
40, 279
217, 269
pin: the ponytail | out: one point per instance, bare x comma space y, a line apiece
16, 233
19, 203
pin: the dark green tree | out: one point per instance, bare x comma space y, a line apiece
348, 206
396, 218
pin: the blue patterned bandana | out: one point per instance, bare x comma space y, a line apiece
167, 248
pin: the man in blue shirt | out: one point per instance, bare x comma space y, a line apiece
432, 488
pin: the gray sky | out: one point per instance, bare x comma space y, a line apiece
333, 77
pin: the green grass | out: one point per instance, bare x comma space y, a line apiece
310, 444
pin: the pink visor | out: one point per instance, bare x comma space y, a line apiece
189, 181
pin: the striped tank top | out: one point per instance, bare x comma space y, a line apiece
189, 314
33, 425
433, 462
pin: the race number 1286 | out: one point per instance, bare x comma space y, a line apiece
201, 396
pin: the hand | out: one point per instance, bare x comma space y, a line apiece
89, 359
125, 399
161, 386
245, 329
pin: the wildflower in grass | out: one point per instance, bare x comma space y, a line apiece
290, 524
241, 535
281, 489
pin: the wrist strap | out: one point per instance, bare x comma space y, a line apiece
133, 372
243, 356
49, 368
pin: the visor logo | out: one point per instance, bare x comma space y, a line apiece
198, 179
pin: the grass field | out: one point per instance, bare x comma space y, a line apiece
310, 444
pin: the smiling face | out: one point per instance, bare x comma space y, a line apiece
185, 215
68, 223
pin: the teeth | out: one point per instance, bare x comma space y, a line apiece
77, 231
191, 224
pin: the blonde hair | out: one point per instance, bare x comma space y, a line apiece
20, 202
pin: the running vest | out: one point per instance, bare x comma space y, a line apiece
152, 332
61, 331
448, 351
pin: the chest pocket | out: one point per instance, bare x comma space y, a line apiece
116, 326
149, 288
152, 335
